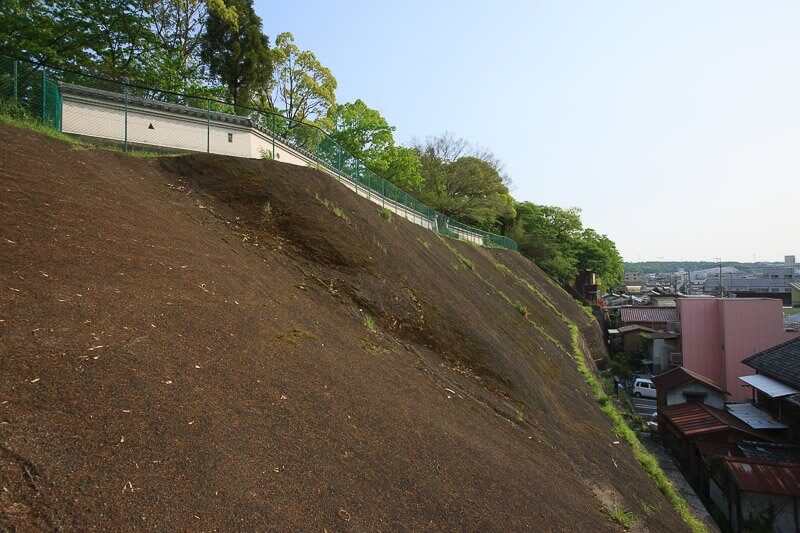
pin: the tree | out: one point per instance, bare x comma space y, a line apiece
366, 134
178, 27
599, 254
464, 182
401, 166
359, 129
555, 239
237, 53
302, 89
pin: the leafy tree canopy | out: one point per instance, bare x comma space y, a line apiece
238, 53
555, 239
464, 182
366, 134
302, 89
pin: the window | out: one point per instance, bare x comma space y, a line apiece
694, 396
230, 137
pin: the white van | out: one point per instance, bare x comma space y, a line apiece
644, 387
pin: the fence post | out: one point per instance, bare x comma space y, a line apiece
44, 93
16, 82
272, 121
125, 126
208, 126
383, 193
356, 180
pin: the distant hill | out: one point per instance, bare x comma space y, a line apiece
668, 267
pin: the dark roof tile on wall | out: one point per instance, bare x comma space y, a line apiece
781, 362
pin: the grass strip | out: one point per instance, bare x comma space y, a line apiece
621, 430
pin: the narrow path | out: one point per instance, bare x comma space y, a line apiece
680, 483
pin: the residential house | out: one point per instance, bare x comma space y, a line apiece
693, 429
658, 318
756, 494
664, 350
587, 285
629, 339
776, 383
718, 333
681, 385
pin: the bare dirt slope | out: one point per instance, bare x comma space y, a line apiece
175, 355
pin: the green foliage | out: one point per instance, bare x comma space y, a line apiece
523, 309
464, 182
555, 239
266, 155
386, 214
360, 130
266, 217
302, 89
13, 110
178, 27
237, 54
369, 322
332, 207
621, 430
520, 417
623, 516
365, 133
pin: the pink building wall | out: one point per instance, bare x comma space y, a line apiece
716, 334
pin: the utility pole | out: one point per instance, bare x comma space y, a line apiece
721, 289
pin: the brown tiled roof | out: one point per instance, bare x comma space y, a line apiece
648, 314
765, 476
695, 418
680, 376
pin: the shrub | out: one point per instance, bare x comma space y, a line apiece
623, 516
14, 110
386, 214
369, 322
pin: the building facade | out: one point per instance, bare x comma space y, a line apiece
717, 334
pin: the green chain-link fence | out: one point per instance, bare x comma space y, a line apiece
33, 88
106, 110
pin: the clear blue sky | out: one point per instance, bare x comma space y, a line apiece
674, 126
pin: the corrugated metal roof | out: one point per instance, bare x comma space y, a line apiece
764, 476
695, 418
753, 416
771, 387
680, 376
648, 314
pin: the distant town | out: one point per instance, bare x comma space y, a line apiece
710, 360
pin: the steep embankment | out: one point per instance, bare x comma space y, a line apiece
184, 346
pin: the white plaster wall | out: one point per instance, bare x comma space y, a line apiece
106, 120
713, 398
